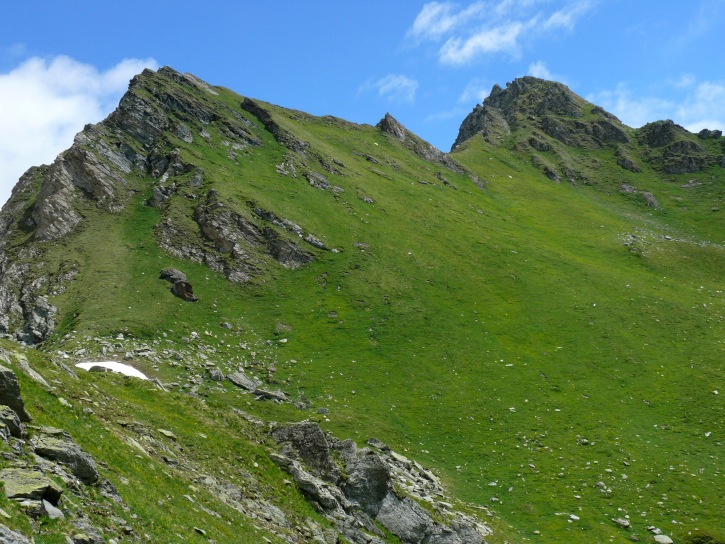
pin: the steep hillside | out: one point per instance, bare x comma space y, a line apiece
536, 316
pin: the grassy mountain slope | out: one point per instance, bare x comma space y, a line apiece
553, 350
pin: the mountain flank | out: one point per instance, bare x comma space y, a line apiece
352, 336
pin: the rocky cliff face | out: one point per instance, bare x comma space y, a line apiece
112, 161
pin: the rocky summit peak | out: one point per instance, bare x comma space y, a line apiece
545, 105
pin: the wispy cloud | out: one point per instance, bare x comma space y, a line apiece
490, 27
439, 18
475, 91
697, 105
396, 88
45, 102
541, 70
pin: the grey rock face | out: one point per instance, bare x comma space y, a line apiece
57, 445
310, 443
368, 482
11, 537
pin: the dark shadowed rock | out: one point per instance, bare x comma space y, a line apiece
10, 393
184, 291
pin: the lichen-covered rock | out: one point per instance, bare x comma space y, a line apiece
29, 484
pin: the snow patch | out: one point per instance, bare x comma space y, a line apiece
114, 366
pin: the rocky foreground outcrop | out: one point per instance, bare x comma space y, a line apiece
42, 465
359, 488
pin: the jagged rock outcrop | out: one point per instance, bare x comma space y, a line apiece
389, 125
673, 149
369, 492
230, 243
283, 136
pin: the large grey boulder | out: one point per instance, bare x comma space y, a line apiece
240, 379
57, 445
309, 442
368, 482
10, 393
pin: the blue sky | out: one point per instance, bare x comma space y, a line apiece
64, 64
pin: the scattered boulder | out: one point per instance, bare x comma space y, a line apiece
216, 375
705, 133
651, 201
240, 379
57, 445
172, 275
184, 291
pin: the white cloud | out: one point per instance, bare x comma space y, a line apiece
632, 111
695, 106
503, 38
705, 108
45, 102
486, 28
540, 70
395, 87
